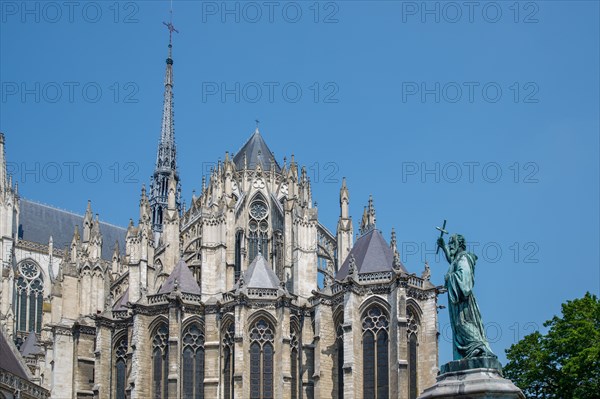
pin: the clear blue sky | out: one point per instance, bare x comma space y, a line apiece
372, 116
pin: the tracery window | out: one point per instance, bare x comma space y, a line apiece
193, 362
261, 360
258, 228
339, 345
228, 361
120, 371
160, 362
295, 363
278, 254
28, 297
239, 236
375, 354
412, 336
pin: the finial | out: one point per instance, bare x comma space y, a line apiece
427, 272
257, 123
352, 266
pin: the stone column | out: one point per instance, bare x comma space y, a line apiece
174, 352
103, 363
212, 357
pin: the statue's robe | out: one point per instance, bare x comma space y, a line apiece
468, 335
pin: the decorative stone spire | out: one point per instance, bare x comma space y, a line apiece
3, 181
344, 200
344, 228
166, 157
394, 247
368, 220
88, 221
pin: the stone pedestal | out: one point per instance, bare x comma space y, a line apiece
475, 378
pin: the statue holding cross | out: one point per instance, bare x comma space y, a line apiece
468, 334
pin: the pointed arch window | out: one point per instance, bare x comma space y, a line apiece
239, 236
339, 346
375, 354
228, 361
278, 254
295, 363
120, 371
28, 297
261, 360
413, 343
258, 227
160, 362
193, 362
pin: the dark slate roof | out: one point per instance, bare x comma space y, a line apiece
31, 346
121, 302
37, 222
371, 254
260, 274
257, 152
186, 281
9, 358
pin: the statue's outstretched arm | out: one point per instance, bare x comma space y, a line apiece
444, 248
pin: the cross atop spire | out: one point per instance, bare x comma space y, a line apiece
170, 25
171, 28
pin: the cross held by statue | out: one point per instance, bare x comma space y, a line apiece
442, 232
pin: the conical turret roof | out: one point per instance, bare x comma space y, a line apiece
260, 274
255, 152
371, 254
182, 278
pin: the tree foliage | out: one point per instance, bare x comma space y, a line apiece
564, 363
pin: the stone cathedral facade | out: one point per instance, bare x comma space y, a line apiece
243, 294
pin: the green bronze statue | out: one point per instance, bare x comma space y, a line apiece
468, 335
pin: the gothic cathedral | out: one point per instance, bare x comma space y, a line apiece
245, 294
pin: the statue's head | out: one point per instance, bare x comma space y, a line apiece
457, 244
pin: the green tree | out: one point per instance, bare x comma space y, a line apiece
564, 363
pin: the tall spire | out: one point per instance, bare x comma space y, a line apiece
3, 182
166, 157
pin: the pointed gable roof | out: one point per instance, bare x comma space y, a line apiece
31, 346
186, 282
122, 301
371, 254
37, 222
11, 359
256, 153
260, 274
